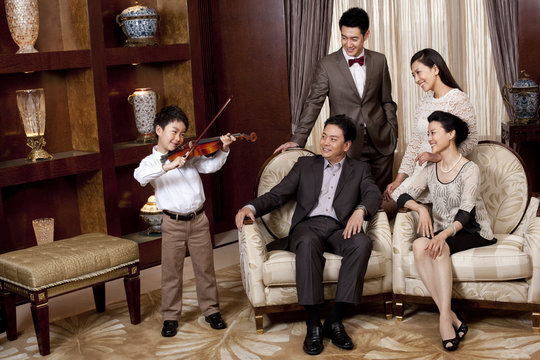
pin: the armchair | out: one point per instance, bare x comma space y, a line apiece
269, 276
504, 275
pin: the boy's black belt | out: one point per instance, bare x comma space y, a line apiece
186, 217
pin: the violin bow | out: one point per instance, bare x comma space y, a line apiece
194, 145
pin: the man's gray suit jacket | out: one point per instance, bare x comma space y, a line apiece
374, 107
303, 184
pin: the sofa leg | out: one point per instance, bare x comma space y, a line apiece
388, 305
99, 297
11, 315
536, 322
398, 307
132, 285
40, 316
259, 321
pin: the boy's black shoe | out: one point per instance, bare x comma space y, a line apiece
169, 328
216, 321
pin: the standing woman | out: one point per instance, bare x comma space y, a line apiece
431, 73
460, 219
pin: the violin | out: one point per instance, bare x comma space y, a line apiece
204, 147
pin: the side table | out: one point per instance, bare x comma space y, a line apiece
525, 140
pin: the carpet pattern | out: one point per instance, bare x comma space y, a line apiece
111, 336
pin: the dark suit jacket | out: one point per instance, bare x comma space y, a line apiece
374, 107
303, 184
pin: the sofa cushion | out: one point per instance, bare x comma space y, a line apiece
502, 261
504, 185
278, 222
280, 268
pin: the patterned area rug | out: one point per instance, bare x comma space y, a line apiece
110, 335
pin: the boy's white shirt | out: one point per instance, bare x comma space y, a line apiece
181, 189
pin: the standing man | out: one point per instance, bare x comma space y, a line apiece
333, 194
357, 83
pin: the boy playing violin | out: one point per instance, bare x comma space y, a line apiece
179, 193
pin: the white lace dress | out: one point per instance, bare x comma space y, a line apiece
455, 102
448, 199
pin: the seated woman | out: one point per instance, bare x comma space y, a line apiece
460, 220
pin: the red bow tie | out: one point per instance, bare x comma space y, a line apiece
360, 61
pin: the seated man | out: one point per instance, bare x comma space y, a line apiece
333, 194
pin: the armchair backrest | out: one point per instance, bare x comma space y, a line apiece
272, 172
504, 185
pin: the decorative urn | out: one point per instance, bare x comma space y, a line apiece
144, 102
151, 215
525, 99
139, 23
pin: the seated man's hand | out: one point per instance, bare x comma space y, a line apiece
241, 215
354, 225
284, 147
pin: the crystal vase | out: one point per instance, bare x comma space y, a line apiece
44, 230
31, 104
23, 22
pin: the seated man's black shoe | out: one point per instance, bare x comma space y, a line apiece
313, 344
169, 328
216, 321
336, 332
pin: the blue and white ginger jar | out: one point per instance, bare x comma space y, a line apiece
139, 23
525, 99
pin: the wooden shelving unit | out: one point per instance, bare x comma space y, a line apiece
87, 75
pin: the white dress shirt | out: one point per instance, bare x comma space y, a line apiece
179, 190
358, 72
331, 176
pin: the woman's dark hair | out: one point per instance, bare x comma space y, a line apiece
451, 122
346, 125
169, 114
430, 57
355, 17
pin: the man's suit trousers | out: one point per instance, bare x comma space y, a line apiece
309, 240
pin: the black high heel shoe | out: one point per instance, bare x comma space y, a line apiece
454, 342
463, 328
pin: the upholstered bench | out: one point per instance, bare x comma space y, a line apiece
42, 272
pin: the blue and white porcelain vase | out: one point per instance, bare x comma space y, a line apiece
525, 99
139, 23
144, 101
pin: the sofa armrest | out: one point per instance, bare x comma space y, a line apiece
532, 247
404, 234
252, 246
378, 230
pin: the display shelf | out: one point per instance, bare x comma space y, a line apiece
131, 152
146, 54
20, 171
41, 61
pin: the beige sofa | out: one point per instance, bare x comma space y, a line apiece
505, 275
269, 277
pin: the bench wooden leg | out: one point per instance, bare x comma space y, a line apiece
99, 297
132, 285
40, 315
11, 314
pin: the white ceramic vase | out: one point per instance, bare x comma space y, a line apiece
23, 22
144, 101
